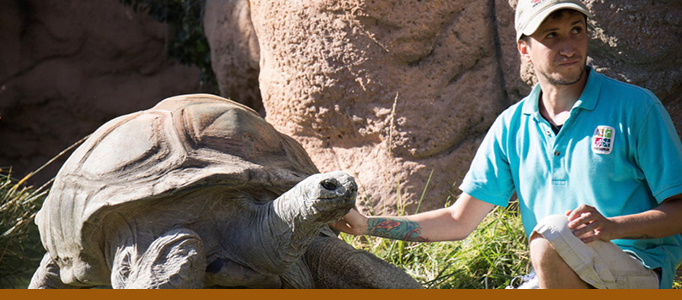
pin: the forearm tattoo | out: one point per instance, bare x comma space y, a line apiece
395, 228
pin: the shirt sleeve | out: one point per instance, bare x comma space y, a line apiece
489, 177
659, 152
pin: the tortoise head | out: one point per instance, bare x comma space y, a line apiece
327, 197
296, 217
317, 200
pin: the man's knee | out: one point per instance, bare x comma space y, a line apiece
541, 251
552, 226
545, 231
551, 268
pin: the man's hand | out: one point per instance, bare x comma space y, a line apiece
589, 225
353, 223
445, 224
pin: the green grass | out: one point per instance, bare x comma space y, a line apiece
489, 258
20, 248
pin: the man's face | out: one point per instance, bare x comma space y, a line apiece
558, 49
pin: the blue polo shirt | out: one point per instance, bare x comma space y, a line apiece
618, 151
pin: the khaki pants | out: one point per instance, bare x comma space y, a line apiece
600, 264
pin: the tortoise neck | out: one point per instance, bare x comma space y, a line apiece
292, 224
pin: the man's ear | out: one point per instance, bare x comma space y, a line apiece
524, 50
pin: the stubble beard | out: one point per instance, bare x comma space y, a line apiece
560, 80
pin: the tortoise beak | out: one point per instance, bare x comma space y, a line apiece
338, 191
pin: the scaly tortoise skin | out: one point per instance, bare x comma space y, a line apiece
199, 191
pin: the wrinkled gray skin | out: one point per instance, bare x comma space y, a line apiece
196, 192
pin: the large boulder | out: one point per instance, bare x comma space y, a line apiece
68, 66
388, 90
394, 91
234, 51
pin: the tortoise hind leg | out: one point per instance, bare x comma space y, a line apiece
176, 259
47, 276
335, 264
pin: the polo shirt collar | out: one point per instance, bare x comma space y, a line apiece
587, 100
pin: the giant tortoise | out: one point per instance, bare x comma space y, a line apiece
199, 191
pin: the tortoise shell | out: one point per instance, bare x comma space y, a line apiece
183, 143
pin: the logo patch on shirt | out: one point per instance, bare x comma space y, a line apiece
602, 139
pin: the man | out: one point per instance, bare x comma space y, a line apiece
596, 165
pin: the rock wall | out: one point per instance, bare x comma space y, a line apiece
67, 66
639, 42
389, 90
394, 91
234, 51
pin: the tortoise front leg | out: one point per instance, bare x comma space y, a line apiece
337, 265
176, 259
47, 276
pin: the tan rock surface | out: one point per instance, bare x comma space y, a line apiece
388, 90
394, 90
234, 50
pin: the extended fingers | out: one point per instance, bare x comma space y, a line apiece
579, 211
582, 219
584, 222
587, 230
588, 224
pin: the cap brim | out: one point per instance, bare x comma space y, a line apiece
537, 20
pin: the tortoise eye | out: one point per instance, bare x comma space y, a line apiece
329, 184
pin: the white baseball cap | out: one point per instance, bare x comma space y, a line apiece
531, 13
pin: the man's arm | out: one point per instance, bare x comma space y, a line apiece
446, 224
665, 220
